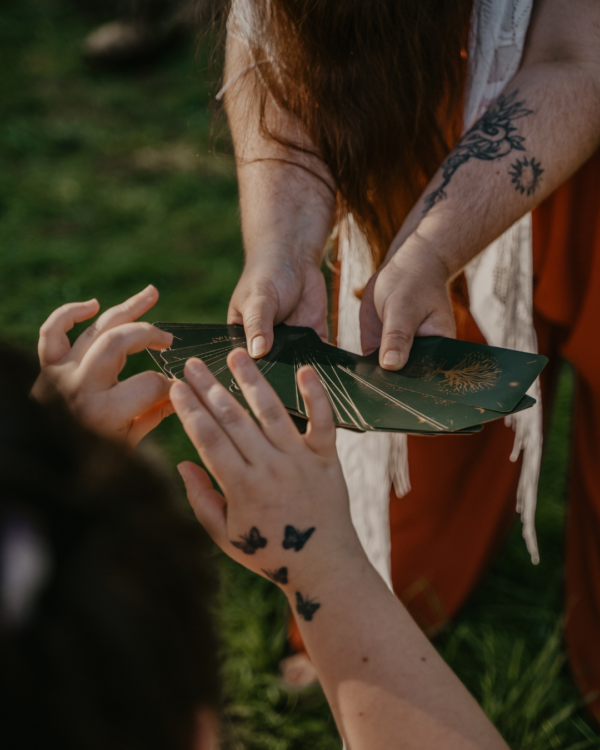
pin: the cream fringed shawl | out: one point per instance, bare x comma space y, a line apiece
500, 290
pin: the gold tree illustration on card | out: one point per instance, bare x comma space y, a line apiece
473, 373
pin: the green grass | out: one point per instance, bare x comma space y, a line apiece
107, 184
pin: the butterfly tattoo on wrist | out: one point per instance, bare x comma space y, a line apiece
294, 539
277, 576
251, 541
306, 607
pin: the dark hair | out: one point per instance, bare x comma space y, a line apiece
113, 645
378, 85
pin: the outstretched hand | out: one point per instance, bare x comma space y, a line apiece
87, 374
277, 289
407, 297
284, 506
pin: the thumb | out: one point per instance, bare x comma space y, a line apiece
258, 316
208, 505
399, 328
370, 325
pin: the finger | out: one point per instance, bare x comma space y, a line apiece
146, 422
241, 429
208, 505
138, 394
264, 402
401, 316
107, 355
320, 435
126, 312
257, 318
216, 450
54, 342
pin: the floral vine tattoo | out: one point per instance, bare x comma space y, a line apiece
526, 175
277, 576
294, 539
250, 541
306, 607
492, 137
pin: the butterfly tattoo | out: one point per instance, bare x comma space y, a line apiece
306, 607
277, 576
251, 541
295, 539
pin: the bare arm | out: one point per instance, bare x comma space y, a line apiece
287, 199
537, 133
285, 515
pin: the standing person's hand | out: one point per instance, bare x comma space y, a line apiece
276, 288
407, 297
86, 375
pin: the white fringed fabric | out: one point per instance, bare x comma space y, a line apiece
500, 289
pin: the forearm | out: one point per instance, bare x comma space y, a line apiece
287, 195
386, 684
542, 128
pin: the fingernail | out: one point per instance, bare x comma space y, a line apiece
392, 358
258, 347
194, 366
150, 289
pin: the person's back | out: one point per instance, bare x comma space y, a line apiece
105, 637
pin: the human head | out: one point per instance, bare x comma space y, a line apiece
105, 636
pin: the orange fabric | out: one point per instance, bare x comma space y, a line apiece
567, 300
448, 528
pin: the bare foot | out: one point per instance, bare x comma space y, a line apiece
298, 672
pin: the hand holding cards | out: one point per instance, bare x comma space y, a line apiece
446, 387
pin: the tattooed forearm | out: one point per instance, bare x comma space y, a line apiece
251, 541
526, 174
294, 539
492, 137
277, 576
306, 607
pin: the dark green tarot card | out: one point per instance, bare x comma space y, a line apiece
447, 386
473, 374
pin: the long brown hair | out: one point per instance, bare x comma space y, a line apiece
378, 85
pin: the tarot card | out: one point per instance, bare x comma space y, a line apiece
474, 374
447, 387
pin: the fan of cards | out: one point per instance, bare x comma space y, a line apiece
447, 386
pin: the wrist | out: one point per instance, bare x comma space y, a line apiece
427, 257
281, 252
325, 566
335, 572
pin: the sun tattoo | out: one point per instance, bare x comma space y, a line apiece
526, 175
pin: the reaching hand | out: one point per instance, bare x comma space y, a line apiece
86, 375
275, 289
285, 506
407, 297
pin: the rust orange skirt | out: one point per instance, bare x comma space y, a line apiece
448, 528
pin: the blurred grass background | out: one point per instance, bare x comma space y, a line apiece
109, 182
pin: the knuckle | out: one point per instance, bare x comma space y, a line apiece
228, 414
398, 335
255, 319
210, 438
46, 328
270, 413
155, 380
